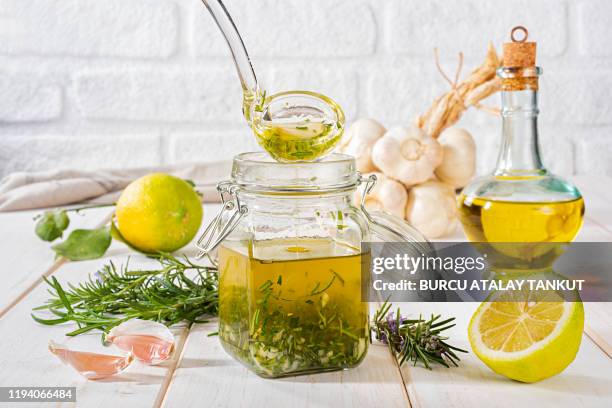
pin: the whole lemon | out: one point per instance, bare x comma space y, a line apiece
158, 212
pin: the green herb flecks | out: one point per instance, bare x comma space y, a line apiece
261, 101
283, 145
310, 333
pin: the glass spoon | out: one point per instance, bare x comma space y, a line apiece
290, 125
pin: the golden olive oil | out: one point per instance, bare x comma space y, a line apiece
292, 306
292, 132
304, 140
523, 224
504, 221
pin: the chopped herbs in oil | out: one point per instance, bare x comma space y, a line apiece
296, 314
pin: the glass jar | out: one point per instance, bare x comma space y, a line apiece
291, 267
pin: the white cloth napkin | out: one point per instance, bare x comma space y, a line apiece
22, 191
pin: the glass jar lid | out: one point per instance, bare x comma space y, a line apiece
258, 172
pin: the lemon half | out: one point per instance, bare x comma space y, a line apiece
529, 340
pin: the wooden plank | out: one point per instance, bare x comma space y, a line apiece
30, 258
26, 361
207, 375
585, 383
598, 324
598, 320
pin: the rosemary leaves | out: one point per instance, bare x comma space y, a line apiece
415, 340
178, 291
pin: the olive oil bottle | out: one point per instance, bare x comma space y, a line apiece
521, 209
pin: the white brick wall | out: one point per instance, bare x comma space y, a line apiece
117, 83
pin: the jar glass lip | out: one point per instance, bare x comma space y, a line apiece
258, 172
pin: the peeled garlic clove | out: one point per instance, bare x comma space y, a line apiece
432, 208
459, 160
387, 195
407, 154
358, 141
90, 358
150, 342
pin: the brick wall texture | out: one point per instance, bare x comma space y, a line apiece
122, 83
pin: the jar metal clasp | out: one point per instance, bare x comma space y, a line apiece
370, 182
215, 232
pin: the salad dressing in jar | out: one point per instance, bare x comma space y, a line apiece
291, 266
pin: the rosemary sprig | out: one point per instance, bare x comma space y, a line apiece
113, 295
415, 340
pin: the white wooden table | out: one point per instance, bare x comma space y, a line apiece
202, 375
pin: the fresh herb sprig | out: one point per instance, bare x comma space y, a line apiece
415, 340
113, 295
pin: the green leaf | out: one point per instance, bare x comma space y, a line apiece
48, 322
52, 224
84, 244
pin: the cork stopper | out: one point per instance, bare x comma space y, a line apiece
519, 52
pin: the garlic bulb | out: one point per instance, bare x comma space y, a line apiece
407, 154
387, 195
459, 160
358, 141
432, 208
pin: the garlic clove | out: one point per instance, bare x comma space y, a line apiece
459, 159
89, 357
432, 208
358, 141
150, 342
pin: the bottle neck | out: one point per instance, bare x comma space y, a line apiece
520, 151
